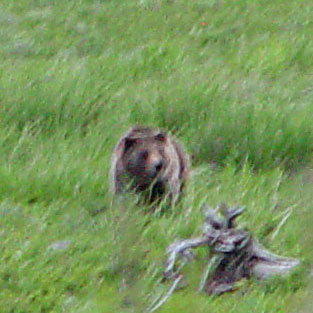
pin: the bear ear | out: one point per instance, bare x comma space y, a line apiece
129, 142
160, 137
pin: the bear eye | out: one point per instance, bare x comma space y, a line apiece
160, 137
144, 154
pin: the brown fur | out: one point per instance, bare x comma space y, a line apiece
149, 159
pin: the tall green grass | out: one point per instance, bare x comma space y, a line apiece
232, 80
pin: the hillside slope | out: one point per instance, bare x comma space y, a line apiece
231, 79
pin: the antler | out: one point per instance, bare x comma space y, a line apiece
237, 255
241, 255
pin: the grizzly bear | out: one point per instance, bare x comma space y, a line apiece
149, 160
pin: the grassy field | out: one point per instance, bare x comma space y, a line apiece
231, 79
